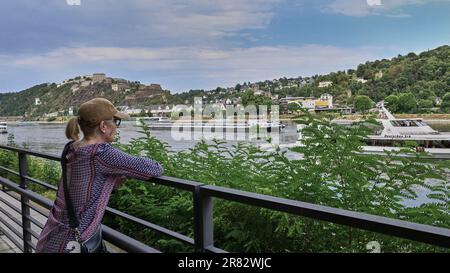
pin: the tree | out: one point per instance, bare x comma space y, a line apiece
392, 103
407, 103
363, 103
249, 98
425, 104
445, 105
294, 107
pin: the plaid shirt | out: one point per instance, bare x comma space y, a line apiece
92, 173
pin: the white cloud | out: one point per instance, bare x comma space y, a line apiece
374, 2
73, 2
360, 8
211, 67
186, 22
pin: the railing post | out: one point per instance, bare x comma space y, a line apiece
25, 204
203, 221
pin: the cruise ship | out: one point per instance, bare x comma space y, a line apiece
164, 123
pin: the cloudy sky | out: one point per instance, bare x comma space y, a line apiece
202, 44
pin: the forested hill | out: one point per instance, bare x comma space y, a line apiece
410, 83
426, 76
415, 81
49, 98
419, 81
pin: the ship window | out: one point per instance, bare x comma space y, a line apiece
395, 123
404, 123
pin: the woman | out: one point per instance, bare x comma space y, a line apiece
94, 168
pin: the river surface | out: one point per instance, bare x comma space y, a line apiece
49, 138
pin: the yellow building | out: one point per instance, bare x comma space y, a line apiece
325, 101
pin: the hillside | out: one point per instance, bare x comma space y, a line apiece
417, 83
49, 98
426, 76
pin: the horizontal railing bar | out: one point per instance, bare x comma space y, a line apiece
215, 249
28, 152
162, 230
41, 183
125, 242
12, 239
34, 221
11, 193
10, 216
32, 232
38, 199
9, 171
11, 228
37, 209
175, 183
10, 205
408, 230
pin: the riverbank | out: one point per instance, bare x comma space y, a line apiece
439, 119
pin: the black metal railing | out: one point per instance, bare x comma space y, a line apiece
203, 195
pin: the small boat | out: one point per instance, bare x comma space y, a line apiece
154, 121
3, 128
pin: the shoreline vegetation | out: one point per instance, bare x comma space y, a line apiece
331, 173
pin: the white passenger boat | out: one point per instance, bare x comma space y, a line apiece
392, 133
3, 128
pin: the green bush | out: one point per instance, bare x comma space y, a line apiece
332, 172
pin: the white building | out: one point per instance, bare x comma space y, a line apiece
361, 80
325, 101
119, 86
37, 101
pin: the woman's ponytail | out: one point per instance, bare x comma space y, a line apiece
73, 129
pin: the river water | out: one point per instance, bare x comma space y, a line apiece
49, 138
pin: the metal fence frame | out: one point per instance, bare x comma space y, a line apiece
203, 195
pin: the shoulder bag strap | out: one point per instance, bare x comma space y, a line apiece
73, 221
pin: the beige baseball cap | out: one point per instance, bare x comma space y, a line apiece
94, 111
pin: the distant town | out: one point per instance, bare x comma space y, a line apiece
133, 106
410, 84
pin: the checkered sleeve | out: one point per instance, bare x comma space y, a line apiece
115, 162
